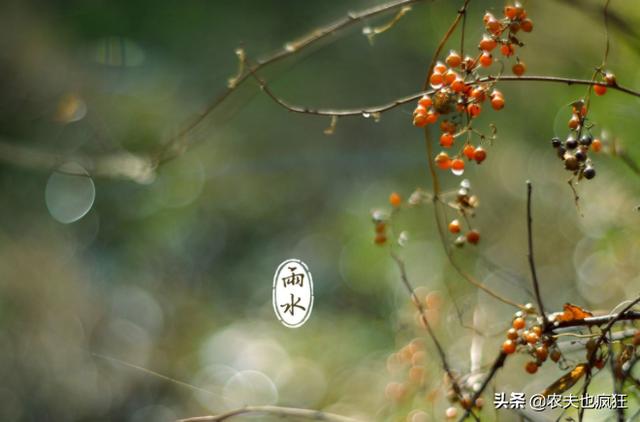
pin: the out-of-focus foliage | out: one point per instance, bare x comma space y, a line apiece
174, 274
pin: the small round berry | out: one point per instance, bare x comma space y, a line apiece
486, 59
451, 413
450, 76
561, 151
519, 69
531, 367
510, 11
497, 102
474, 109
443, 161
542, 353
425, 101
610, 78
512, 334
457, 166
440, 68
537, 329
479, 155
479, 403
436, 79
454, 226
571, 163
555, 355
509, 347
571, 143
586, 140
380, 239
420, 120
395, 199
432, 117
596, 145
380, 227
493, 25
589, 173
556, 142
532, 338
580, 155
478, 94
574, 121
599, 89
526, 25
473, 237
487, 43
453, 59
468, 151
446, 140
519, 323
487, 17
457, 85
507, 50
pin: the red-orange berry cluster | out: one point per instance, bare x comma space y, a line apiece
527, 335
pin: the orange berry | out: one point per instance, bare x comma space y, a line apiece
555, 355
457, 85
479, 155
425, 101
450, 76
443, 161
526, 25
599, 89
473, 237
510, 11
419, 110
468, 151
454, 226
380, 227
487, 43
420, 120
531, 367
519, 69
395, 199
446, 140
486, 59
532, 338
457, 164
519, 323
542, 353
380, 239
509, 347
440, 68
493, 25
574, 122
596, 145
512, 334
507, 50
537, 329
487, 17
453, 59
478, 94
497, 102
474, 109
436, 79
432, 117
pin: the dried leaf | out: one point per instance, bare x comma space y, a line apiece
566, 381
573, 313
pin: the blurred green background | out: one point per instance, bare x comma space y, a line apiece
174, 274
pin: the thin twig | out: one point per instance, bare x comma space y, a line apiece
532, 265
497, 364
283, 412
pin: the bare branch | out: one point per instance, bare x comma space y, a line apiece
284, 412
532, 265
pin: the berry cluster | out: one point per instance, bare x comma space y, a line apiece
574, 150
526, 333
458, 93
465, 203
381, 219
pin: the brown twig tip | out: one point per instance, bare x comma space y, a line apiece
283, 412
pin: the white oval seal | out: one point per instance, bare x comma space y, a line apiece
292, 293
